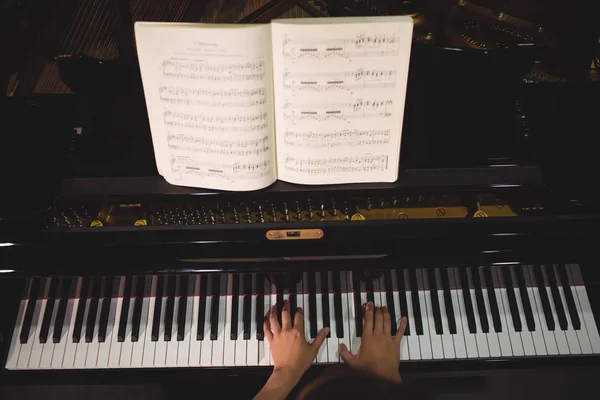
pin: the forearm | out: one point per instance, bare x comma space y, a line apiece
277, 387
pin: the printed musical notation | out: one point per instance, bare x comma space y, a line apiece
236, 171
336, 165
171, 117
180, 91
213, 103
218, 146
359, 46
342, 111
214, 72
329, 81
341, 138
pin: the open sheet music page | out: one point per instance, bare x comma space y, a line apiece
209, 95
340, 86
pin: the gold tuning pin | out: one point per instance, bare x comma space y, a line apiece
95, 223
140, 222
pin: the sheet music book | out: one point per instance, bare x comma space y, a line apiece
307, 101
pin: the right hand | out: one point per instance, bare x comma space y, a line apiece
379, 352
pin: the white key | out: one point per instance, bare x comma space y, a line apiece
252, 344
425, 339
437, 351
355, 341
263, 345
48, 350
115, 346
160, 351
526, 334
273, 303
206, 352
377, 293
149, 345
127, 344
460, 342
584, 343
173, 344
323, 351
346, 315
404, 353
195, 344
61, 347
470, 338
516, 343
588, 315
229, 345
332, 342
241, 345
542, 338
414, 347
480, 337
82, 346
91, 359
137, 356
218, 345
447, 337
27, 348
15, 343
570, 333
504, 337
492, 336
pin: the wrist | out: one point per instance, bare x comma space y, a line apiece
287, 376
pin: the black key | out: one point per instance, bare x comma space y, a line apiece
293, 301
160, 287
47, 316
464, 284
448, 300
370, 290
170, 307
140, 285
184, 281
65, 291
416, 304
435, 301
93, 310
485, 325
358, 322
558, 305
525, 299
36, 284
260, 306
564, 280
325, 301
202, 307
83, 295
234, 306
312, 304
512, 299
541, 283
248, 284
494, 310
127, 293
107, 299
279, 304
214, 306
337, 304
403, 302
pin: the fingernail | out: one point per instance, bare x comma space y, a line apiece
369, 305
404, 319
384, 308
299, 309
326, 330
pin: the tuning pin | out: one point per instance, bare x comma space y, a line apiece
394, 201
286, 214
381, 203
248, 215
322, 210
236, 216
211, 216
298, 211
261, 214
333, 209
369, 206
223, 216
273, 213
204, 216
311, 215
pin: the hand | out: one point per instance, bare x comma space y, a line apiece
291, 353
379, 352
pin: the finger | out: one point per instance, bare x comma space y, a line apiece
401, 328
286, 321
299, 320
346, 355
318, 342
387, 321
267, 330
368, 319
275, 327
378, 320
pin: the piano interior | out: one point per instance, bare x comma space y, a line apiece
486, 242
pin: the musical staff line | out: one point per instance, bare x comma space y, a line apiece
213, 103
189, 92
204, 66
333, 165
343, 111
341, 138
218, 146
236, 171
359, 46
343, 80
172, 116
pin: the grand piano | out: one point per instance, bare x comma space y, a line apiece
487, 241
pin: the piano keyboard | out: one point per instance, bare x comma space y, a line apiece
215, 320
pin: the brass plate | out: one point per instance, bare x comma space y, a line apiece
294, 234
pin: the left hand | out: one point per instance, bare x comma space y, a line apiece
292, 355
